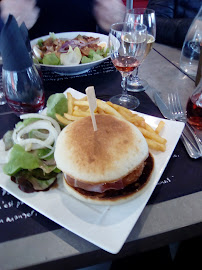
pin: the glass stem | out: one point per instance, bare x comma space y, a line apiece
123, 84
137, 69
134, 77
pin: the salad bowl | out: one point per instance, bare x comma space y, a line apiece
72, 69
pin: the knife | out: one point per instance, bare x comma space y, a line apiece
190, 145
162, 107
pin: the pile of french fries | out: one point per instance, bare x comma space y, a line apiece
78, 108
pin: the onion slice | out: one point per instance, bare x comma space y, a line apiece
41, 116
41, 124
42, 139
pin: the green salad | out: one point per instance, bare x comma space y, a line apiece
30, 147
80, 50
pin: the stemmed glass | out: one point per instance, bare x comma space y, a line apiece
127, 45
145, 16
23, 90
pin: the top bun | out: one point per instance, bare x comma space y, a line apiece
105, 155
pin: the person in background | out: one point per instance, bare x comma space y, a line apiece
173, 19
23, 10
44, 16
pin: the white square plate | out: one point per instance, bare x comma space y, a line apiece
105, 226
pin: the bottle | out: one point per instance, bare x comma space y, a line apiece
199, 70
191, 47
194, 107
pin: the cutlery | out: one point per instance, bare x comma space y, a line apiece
190, 145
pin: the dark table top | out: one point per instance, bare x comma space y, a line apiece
160, 223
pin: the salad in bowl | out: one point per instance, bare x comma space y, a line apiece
70, 52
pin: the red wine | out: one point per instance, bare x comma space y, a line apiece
125, 63
194, 112
21, 107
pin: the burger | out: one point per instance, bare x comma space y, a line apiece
107, 166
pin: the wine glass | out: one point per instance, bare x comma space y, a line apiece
23, 90
127, 45
145, 16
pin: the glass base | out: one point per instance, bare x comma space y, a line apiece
136, 85
127, 101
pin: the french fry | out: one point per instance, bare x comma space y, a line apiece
70, 101
138, 121
78, 108
83, 103
152, 135
108, 109
83, 99
62, 120
71, 117
159, 127
126, 116
149, 128
115, 106
80, 113
155, 145
123, 111
100, 111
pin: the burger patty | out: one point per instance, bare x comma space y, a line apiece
130, 184
102, 187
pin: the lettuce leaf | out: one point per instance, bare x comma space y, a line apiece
40, 42
52, 35
20, 159
43, 152
8, 140
85, 60
35, 180
26, 122
41, 184
51, 59
72, 57
106, 52
93, 56
57, 103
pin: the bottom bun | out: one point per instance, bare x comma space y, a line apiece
114, 197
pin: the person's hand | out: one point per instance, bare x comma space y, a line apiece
108, 12
23, 10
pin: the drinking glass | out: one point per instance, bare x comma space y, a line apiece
147, 17
23, 90
2, 96
127, 45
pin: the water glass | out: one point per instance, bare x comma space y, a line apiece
23, 90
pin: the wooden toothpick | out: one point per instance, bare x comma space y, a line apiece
90, 92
